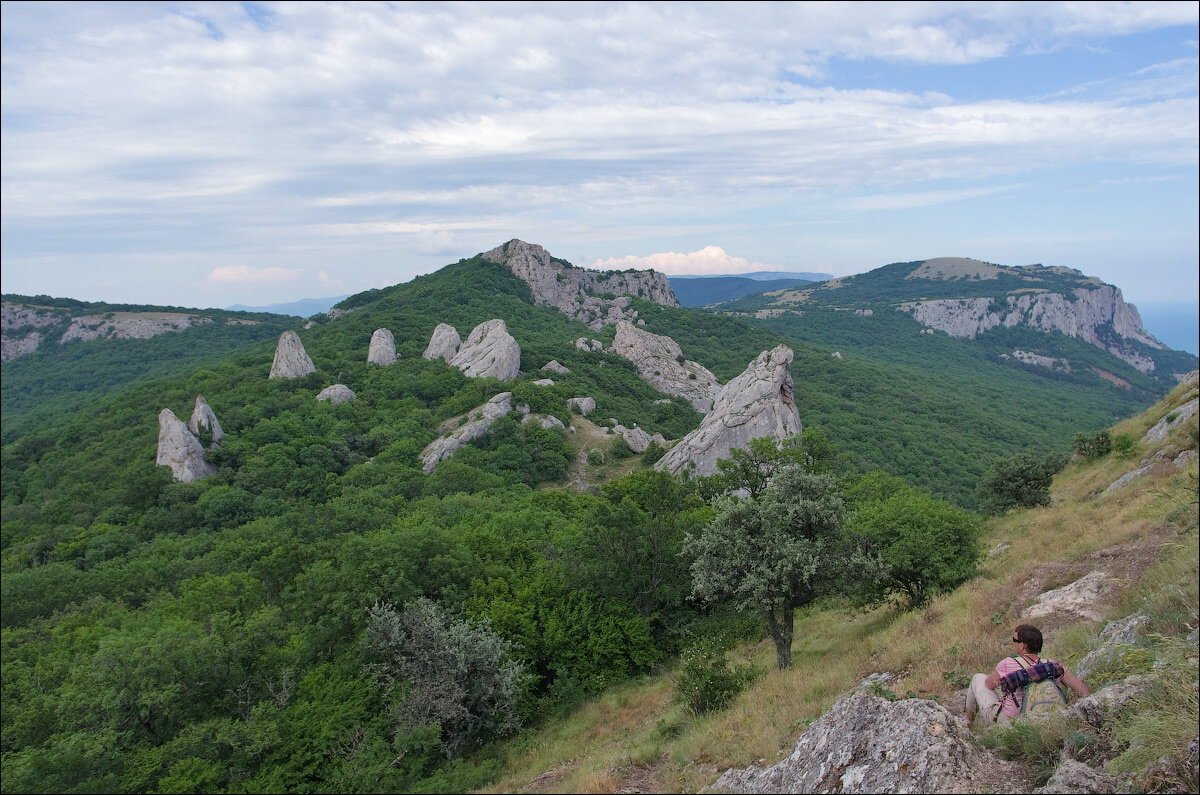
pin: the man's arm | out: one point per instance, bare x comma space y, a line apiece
1072, 682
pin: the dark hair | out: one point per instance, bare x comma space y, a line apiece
1031, 636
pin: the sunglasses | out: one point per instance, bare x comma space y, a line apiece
1014, 640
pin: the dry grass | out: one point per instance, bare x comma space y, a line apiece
634, 737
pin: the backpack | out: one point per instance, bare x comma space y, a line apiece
1040, 697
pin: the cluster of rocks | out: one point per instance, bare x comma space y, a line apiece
179, 445
759, 402
490, 351
1091, 312
1049, 362
659, 361
22, 328
479, 422
636, 439
578, 293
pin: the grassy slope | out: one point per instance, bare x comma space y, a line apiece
635, 735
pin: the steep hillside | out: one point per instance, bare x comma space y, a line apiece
969, 299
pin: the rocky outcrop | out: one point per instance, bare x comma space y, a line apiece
1075, 777
1172, 418
544, 382
1116, 637
579, 293
22, 328
759, 402
584, 344
1036, 359
635, 439
866, 744
443, 344
337, 393
383, 348
180, 450
490, 351
1096, 315
581, 405
480, 420
291, 360
554, 367
659, 361
204, 421
1084, 598
143, 327
547, 421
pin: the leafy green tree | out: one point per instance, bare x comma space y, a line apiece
1020, 481
1092, 445
924, 545
777, 551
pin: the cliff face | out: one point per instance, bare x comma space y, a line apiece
1099, 316
21, 335
577, 292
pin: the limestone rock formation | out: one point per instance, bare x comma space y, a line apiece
1115, 635
584, 344
383, 348
635, 439
481, 420
1083, 598
444, 343
1088, 316
180, 450
22, 328
581, 405
866, 744
490, 351
547, 421
291, 361
205, 420
544, 382
759, 402
554, 367
1174, 417
577, 292
337, 393
1076, 777
660, 363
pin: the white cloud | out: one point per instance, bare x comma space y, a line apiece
707, 261
325, 280
904, 201
245, 274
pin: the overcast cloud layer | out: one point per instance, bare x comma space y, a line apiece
210, 154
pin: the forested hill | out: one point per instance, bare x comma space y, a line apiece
264, 627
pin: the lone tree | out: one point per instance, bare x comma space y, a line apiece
1019, 481
776, 551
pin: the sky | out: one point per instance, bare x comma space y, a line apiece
207, 154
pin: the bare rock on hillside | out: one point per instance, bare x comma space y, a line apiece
1115, 636
1096, 709
759, 402
1083, 598
581, 405
866, 744
291, 360
205, 420
180, 450
584, 344
554, 367
490, 351
660, 362
1076, 777
383, 348
1127, 478
597, 298
1172, 418
337, 393
443, 344
547, 421
479, 421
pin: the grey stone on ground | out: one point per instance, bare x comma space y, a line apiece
1170, 420
581, 405
866, 744
659, 361
180, 450
547, 421
1081, 598
584, 344
204, 417
555, 367
1115, 636
337, 393
635, 439
489, 351
1096, 709
383, 348
291, 361
481, 420
443, 343
1127, 478
759, 402
1073, 776
543, 382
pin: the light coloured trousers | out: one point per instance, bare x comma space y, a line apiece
983, 703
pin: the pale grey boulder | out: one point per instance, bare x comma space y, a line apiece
490, 351
660, 363
1116, 637
383, 348
443, 344
759, 402
547, 421
543, 382
1072, 776
867, 744
1172, 418
180, 450
479, 421
337, 393
593, 346
291, 360
554, 367
1087, 598
581, 405
203, 418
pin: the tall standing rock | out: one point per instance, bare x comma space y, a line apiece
660, 362
443, 344
180, 450
291, 361
759, 402
204, 419
383, 348
490, 351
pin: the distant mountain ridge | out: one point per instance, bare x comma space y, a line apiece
305, 307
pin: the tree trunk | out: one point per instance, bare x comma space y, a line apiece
781, 632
